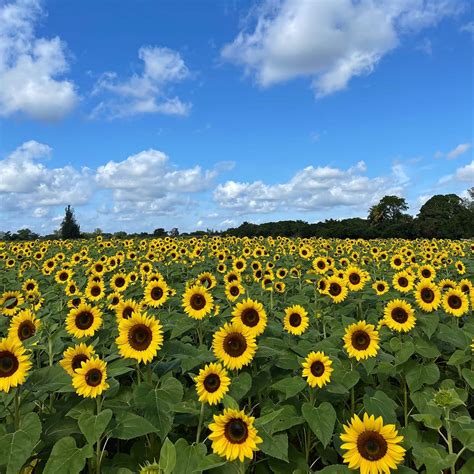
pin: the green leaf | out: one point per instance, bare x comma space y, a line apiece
335, 469
16, 448
131, 426
428, 323
418, 375
265, 419
67, 458
189, 457
167, 457
290, 386
229, 402
468, 377
435, 460
321, 420
402, 350
459, 357
426, 348
92, 426
380, 404
240, 385
275, 445
430, 421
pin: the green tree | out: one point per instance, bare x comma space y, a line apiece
69, 227
446, 217
389, 209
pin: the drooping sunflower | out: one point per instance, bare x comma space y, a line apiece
23, 325
10, 302
212, 383
90, 380
234, 345
317, 369
380, 287
296, 320
73, 357
371, 446
361, 340
399, 316
233, 435
156, 293
455, 302
83, 321
336, 289
14, 364
427, 295
140, 337
197, 302
251, 314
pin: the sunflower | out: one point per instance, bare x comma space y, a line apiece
212, 383
95, 290
279, 286
234, 290
460, 267
83, 321
30, 286
207, 279
355, 278
320, 265
427, 295
125, 309
371, 446
239, 265
233, 435
396, 262
14, 364
23, 325
336, 289
361, 340
295, 320
317, 369
427, 272
197, 302
156, 293
399, 316
250, 314
380, 287
455, 302
73, 357
72, 289
89, 380
10, 302
403, 282
234, 345
140, 337
119, 282
63, 276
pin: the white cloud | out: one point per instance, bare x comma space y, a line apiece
145, 93
330, 41
459, 150
465, 173
468, 28
31, 68
310, 189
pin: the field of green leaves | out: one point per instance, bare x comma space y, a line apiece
232, 355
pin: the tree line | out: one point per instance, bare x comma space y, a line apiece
443, 216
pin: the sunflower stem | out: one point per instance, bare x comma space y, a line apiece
405, 402
97, 446
352, 394
201, 417
17, 411
450, 439
149, 374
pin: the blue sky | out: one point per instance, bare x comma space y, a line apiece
203, 114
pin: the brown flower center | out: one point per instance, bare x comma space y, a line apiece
294, 320
94, 377
212, 382
454, 302
235, 344
426, 273
120, 281
427, 295
197, 302
127, 312
371, 445
8, 364
26, 330
234, 290
354, 278
380, 287
13, 302
317, 368
403, 282
206, 281
140, 337
63, 276
360, 340
156, 293
321, 264
250, 317
236, 431
335, 289
30, 287
84, 320
77, 361
399, 315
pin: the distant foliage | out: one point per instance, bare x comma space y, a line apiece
69, 227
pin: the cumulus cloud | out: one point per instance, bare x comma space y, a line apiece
329, 41
145, 93
310, 189
465, 173
27, 184
31, 68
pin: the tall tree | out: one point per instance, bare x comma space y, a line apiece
389, 209
69, 227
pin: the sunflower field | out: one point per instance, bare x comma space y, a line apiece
232, 355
